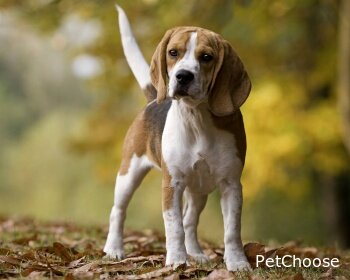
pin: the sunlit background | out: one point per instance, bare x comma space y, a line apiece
67, 98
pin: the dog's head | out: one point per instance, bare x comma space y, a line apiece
199, 66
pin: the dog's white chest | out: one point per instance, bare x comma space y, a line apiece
197, 154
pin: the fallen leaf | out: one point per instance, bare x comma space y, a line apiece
10, 260
77, 262
270, 253
37, 275
174, 276
211, 254
84, 275
153, 258
156, 273
87, 267
61, 251
253, 249
219, 274
69, 276
220, 252
28, 256
33, 268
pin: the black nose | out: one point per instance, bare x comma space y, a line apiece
183, 77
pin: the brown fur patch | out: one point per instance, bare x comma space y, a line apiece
134, 143
167, 189
154, 117
177, 42
145, 135
158, 70
234, 124
231, 85
208, 43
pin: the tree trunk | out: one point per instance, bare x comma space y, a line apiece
344, 107
344, 70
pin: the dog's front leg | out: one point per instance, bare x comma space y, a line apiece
231, 206
172, 191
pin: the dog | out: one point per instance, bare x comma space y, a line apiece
192, 130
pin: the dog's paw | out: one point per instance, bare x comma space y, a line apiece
176, 259
200, 258
241, 265
114, 253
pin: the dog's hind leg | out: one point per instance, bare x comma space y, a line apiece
194, 204
125, 186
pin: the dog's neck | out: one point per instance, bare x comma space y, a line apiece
193, 119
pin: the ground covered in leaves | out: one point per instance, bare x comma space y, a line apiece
32, 249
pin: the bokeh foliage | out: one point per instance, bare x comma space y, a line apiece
296, 160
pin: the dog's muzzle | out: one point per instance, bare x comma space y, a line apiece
183, 79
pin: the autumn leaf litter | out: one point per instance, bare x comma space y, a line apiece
39, 250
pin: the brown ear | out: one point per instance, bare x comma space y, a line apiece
159, 67
231, 84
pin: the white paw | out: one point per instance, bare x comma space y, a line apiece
200, 258
241, 265
176, 259
114, 253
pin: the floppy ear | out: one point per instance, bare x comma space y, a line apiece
159, 67
231, 85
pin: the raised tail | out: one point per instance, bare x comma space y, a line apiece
134, 56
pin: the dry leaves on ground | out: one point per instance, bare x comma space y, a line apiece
63, 250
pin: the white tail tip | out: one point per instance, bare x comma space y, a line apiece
132, 52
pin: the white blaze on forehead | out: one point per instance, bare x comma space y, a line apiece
190, 59
187, 62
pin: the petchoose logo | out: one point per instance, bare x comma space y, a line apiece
293, 261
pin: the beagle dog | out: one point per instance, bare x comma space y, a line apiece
192, 130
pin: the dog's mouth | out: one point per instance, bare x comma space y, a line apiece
189, 94
180, 93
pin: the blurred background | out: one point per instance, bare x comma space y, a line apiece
67, 98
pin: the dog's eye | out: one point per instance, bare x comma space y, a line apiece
173, 53
206, 57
